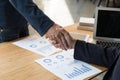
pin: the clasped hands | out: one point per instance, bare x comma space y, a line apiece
60, 38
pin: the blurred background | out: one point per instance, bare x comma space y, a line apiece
67, 12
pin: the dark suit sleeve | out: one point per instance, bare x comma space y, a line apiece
33, 15
95, 54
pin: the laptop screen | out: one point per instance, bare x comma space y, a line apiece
107, 23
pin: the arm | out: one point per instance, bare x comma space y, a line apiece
95, 54
39, 20
33, 15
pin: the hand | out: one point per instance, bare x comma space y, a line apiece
70, 41
58, 36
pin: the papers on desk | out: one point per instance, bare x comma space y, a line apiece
43, 46
64, 66
36, 44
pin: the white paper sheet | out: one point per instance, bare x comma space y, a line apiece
38, 45
64, 66
79, 36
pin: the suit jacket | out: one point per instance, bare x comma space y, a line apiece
15, 16
108, 57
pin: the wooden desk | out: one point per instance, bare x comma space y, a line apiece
18, 64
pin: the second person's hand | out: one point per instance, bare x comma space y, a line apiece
70, 41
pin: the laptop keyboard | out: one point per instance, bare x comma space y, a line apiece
108, 44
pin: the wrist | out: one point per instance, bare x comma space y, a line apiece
53, 29
73, 44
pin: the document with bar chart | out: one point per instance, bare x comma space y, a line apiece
65, 67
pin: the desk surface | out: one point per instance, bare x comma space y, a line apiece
18, 64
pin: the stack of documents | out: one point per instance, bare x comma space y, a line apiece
86, 23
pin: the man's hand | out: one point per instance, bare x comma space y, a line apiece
57, 36
70, 41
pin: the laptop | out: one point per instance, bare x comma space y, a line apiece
107, 27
